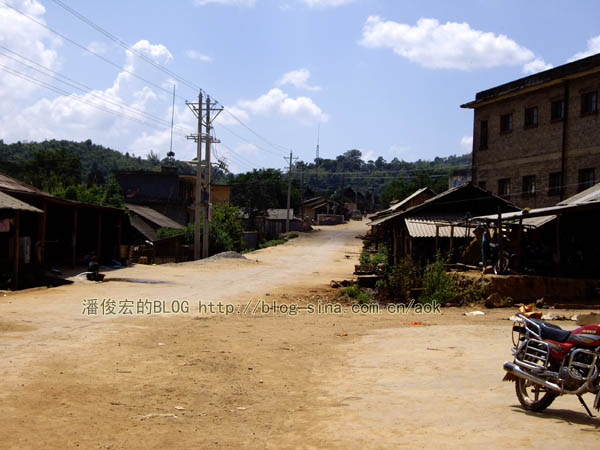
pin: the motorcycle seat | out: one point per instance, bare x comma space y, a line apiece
552, 332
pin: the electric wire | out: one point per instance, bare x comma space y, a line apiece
160, 67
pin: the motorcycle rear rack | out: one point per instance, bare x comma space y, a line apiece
533, 354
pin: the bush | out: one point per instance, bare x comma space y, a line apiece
403, 278
225, 232
356, 293
379, 258
437, 284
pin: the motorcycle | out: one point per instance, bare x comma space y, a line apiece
549, 362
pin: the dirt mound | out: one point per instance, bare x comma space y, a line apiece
225, 255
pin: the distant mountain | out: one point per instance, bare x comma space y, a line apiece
93, 157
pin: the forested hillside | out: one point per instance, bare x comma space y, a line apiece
71, 169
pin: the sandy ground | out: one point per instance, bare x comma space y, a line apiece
249, 379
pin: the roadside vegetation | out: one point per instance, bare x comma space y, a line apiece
408, 280
225, 232
278, 241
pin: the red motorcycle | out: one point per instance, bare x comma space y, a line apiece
550, 361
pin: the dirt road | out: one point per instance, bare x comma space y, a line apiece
273, 380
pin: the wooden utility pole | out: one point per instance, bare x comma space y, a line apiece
289, 193
202, 204
197, 205
206, 187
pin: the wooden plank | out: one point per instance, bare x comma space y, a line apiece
16, 261
99, 246
74, 238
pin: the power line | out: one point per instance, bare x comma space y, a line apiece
76, 98
84, 48
162, 68
125, 45
80, 86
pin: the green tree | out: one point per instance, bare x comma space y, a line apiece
112, 195
262, 189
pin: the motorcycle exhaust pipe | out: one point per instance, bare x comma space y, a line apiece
518, 372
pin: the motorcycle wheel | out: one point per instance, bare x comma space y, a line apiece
533, 397
501, 264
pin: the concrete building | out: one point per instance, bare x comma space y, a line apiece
536, 140
167, 192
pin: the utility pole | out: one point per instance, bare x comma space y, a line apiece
197, 241
206, 187
202, 203
289, 196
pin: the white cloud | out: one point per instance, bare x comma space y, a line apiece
537, 65
97, 47
451, 45
80, 116
229, 115
326, 3
466, 143
298, 78
593, 47
26, 38
157, 52
369, 156
197, 56
278, 102
246, 3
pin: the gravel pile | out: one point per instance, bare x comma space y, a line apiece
225, 255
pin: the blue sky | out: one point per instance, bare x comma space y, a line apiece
385, 77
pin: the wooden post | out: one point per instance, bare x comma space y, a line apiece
395, 245
41, 236
499, 233
17, 249
451, 237
558, 263
74, 238
99, 246
519, 248
437, 238
119, 235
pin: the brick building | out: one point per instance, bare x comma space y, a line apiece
536, 140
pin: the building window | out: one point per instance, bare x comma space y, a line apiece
506, 123
504, 187
589, 103
482, 184
557, 110
531, 117
586, 178
555, 183
483, 135
529, 185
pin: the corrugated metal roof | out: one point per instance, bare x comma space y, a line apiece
12, 184
8, 202
143, 227
153, 216
546, 212
396, 206
538, 221
424, 228
383, 219
591, 194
